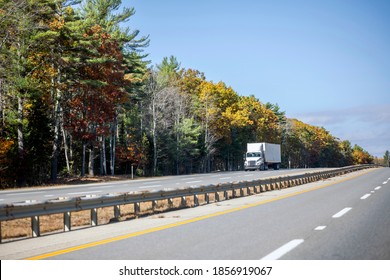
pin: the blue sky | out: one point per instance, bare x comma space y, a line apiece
326, 63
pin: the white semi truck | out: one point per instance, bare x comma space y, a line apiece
261, 156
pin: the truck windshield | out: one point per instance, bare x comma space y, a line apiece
253, 154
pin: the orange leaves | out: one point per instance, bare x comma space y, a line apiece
56, 24
5, 148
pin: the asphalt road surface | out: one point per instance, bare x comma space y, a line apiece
341, 218
157, 183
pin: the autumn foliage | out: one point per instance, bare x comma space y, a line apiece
78, 97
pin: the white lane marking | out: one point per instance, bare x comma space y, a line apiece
49, 195
149, 182
225, 178
384, 183
372, 191
150, 186
85, 192
281, 251
101, 187
378, 188
191, 182
365, 196
342, 212
24, 193
320, 228
188, 178
250, 175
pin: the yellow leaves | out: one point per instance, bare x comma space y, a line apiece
56, 24
133, 78
237, 118
360, 156
27, 106
69, 10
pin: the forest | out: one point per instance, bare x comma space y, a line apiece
78, 97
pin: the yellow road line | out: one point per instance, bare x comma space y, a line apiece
130, 235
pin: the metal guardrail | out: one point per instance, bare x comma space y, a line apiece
35, 209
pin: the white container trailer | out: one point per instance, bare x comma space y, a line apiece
261, 156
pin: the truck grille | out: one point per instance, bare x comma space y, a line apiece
252, 163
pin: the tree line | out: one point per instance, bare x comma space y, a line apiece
79, 97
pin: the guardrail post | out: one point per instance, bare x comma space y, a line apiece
207, 198
225, 195
136, 208
273, 184
170, 203
117, 211
268, 186
67, 221
183, 201
286, 183
196, 200
94, 217
217, 197
35, 226
154, 205
241, 192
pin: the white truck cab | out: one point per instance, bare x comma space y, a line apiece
260, 156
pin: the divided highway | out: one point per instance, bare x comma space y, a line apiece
340, 218
157, 183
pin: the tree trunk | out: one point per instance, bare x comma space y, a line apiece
103, 164
21, 179
83, 160
2, 124
91, 161
66, 149
57, 127
154, 136
112, 148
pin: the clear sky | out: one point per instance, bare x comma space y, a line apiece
326, 63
